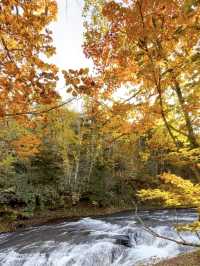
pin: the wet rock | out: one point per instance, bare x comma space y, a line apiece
123, 240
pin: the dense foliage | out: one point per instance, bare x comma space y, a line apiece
149, 50
140, 119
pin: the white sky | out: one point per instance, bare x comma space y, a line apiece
68, 38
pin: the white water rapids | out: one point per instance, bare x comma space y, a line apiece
93, 242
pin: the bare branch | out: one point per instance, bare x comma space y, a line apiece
178, 233
197, 234
39, 112
179, 131
153, 233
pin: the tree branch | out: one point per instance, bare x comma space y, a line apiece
179, 131
152, 232
39, 112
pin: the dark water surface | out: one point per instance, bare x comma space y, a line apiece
96, 242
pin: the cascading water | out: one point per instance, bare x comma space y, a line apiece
96, 242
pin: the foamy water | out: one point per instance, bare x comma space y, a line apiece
93, 242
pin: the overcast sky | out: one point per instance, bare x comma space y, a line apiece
68, 38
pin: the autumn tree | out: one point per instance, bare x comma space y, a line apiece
152, 47
151, 50
26, 79
175, 192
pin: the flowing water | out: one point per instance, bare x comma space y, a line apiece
96, 242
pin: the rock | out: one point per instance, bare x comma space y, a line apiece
123, 240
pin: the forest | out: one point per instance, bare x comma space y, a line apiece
136, 140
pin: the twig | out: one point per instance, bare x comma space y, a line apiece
197, 234
39, 112
152, 232
178, 233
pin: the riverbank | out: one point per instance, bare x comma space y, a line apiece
189, 259
60, 215
55, 216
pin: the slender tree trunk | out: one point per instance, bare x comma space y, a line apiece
191, 135
165, 119
196, 172
76, 171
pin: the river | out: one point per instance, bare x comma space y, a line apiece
112, 240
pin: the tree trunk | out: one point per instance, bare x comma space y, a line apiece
165, 119
191, 135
